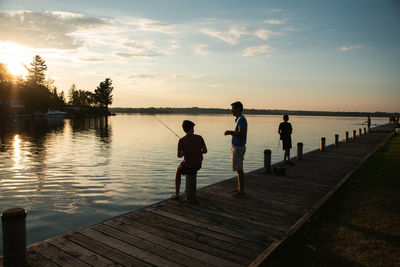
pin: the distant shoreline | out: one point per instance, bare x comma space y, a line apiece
203, 111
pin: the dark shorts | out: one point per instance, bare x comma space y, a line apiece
187, 170
287, 143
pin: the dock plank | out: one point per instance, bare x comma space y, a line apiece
57, 255
121, 224
80, 252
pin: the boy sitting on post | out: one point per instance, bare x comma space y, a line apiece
191, 147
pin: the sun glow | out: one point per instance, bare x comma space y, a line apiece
15, 57
17, 69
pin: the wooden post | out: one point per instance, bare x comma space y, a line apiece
14, 237
365, 130
267, 160
336, 140
347, 137
299, 151
359, 132
322, 147
354, 134
190, 195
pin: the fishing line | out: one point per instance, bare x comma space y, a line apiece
166, 126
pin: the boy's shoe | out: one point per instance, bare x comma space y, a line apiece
234, 191
175, 197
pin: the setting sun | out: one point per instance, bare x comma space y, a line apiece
17, 69
15, 57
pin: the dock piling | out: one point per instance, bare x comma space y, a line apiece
354, 134
336, 140
359, 132
347, 137
365, 130
267, 160
190, 195
322, 147
14, 237
299, 150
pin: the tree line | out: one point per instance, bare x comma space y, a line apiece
197, 110
39, 94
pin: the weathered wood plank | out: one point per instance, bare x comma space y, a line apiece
208, 234
37, 260
106, 251
236, 258
250, 230
151, 247
269, 214
210, 207
209, 259
56, 255
212, 226
80, 252
122, 246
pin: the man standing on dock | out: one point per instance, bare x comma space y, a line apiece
239, 136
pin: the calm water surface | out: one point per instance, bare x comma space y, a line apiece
71, 173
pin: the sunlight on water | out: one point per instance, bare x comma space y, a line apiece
17, 152
75, 172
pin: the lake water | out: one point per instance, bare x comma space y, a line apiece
71, 173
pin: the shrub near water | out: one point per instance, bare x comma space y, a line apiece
359, 225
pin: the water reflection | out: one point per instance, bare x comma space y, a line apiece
44, 162
17, 151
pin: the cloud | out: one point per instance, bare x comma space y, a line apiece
256, 50
265, 34
143, 45
138, 54
231, 37
144, 24
347, 48
275, 21
171, 48
45, 30
91, 59
214, 85
155, 77
143, 76
201, 50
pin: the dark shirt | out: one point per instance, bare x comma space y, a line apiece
191, 146
285, 130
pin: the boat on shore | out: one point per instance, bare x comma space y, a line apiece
55, 113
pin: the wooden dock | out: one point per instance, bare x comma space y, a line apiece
218, 230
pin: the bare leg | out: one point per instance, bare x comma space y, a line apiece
286, 157
240, 176
177, 181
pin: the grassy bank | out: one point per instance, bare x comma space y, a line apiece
359, 225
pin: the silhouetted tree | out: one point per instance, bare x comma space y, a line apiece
36, 73
5, 80
71, 94
102, 94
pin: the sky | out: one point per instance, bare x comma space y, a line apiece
295, 55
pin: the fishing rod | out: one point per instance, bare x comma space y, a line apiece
166, 126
